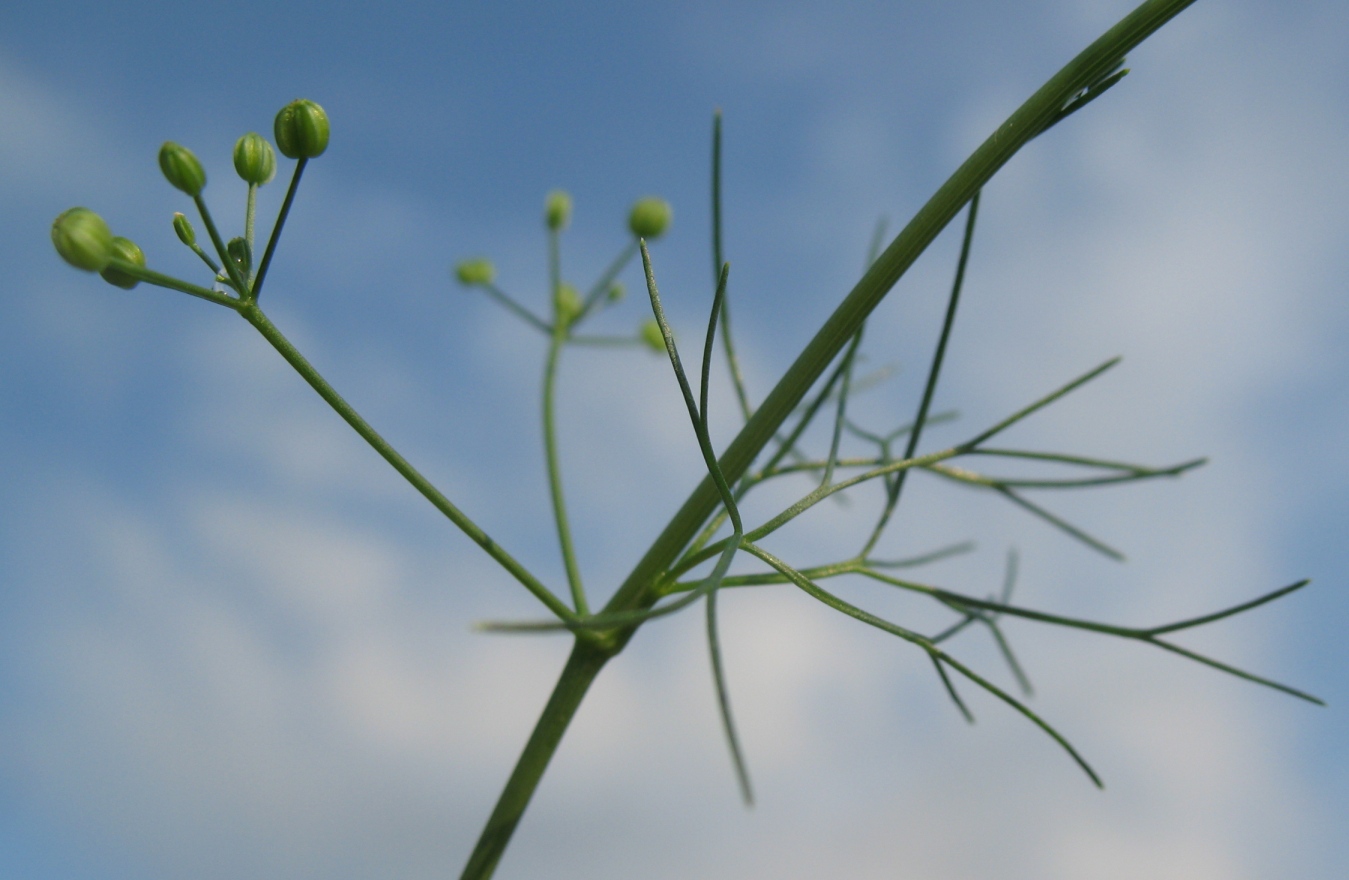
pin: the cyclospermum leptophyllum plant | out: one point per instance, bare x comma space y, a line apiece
708, 530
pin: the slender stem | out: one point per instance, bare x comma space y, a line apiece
255, 316
509, 302
841, 413
727, 343
564, 539
724, 703
276, 230
559, 331
231, 268
849, 361
601, 285
250, 210
582, 667
897, 485
698, 415
158, 279
205, 258
971, 445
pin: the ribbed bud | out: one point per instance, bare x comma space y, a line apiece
475, 272
241, 254
301, 130
557, 210
186, 234
568, 303
650, 217
82, 239
181, 168
123, 249
651, 335
254, 159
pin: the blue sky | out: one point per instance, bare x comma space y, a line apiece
233, 644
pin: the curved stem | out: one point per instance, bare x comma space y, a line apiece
727, 342
564, 540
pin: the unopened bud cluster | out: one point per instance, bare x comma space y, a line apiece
84, 240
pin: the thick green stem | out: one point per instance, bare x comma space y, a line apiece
254, 316
582, 667
641, 588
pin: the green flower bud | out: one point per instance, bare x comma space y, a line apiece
181, 168
301, 130
650, 217
254, 159
123, 249
651, 335
82, 239
241, 254
616, 292
186, 234
557, 210
475, 272
567, 303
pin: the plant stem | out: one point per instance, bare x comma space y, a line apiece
640, 590
255, 316
276, 230
559, 339
250, 210
897, 485
584, 664
728, 344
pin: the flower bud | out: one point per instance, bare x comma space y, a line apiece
181, 168
186, 234
616, 292
254, 159
475, 272
650, 217
567, 303
301, 130
651, 335
241, 254
123, 249
557, 210
82, 239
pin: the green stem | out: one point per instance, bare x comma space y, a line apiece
250, 209
727, 342
933, 373
564, 540
276, 230
640, 589
509, 302
159, 279
255, 316
582, 667
231, 268
601, 286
